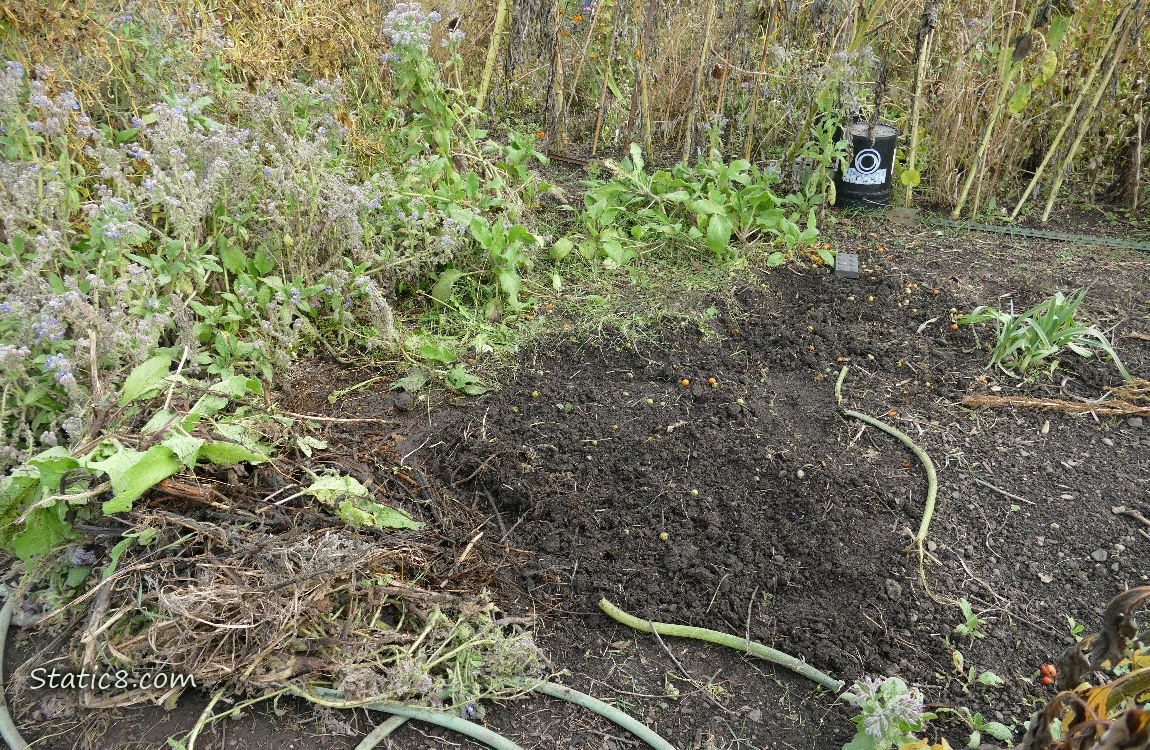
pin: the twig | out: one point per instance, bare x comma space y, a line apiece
1003, 492
686, 674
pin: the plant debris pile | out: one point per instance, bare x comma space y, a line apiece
252, 603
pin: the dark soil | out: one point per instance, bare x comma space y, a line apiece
755, 507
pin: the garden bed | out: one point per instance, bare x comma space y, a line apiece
611, 466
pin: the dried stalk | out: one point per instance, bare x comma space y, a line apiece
1008, 71
1090, 110
925, 36
606, 77
492, 53
1114, 33
758, 81
697, 86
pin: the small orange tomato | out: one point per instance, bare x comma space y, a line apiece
684, 382
892, 413
1047, 680
1049, 670
711, 381
954, 326
934, 291
539, 134
578, 17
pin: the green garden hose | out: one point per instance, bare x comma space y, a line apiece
8, 730
335, 699
723, 639
640, 730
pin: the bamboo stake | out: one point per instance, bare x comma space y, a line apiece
1114, 33
697, 86
1008, 71
1090, 110
606, 76
492, 53
759, 81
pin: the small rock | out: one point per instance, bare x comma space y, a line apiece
1099, 555
893, 589
1040, 540
1045, 577
1066, 496
1108, 441
403, 401
755, 715
1055, 527
931, 546
1134, 421
778, 559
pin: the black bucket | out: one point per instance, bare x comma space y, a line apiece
870, 161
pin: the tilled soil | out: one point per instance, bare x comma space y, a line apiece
612, 467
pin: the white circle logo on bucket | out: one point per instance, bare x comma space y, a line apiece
867, 161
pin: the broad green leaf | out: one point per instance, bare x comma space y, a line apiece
719, 234
990, 679
561, 248
510, 283
998, 731
76, 575
146, 377
223, 453
159, 420
1057, 30
133, 473
910, 178
307, 443
232, 256
368, 513
444, 285
776, 258
437, 353
44, 529
1049, 66
236, 386
705, 206
1020, 98
329, 488
185, 447
462, 380
52, 464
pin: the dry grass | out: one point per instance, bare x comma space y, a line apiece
324, 38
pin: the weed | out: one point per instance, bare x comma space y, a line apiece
972, 624
1038, 335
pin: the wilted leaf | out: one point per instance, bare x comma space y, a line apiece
133, 473
415, 379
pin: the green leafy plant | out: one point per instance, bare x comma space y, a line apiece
890, 713
712, 204
972, 623
40, 499
1038, 335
